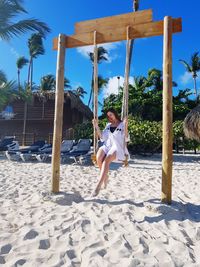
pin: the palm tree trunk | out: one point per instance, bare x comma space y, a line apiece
24, 123
195, 88
18, 77
29, 70
91, 91
25, 103
31, 75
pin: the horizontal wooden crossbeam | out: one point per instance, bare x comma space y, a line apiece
129, 19
119, 34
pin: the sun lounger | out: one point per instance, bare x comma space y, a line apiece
4, 143
32, 154
66, 147
82, 148
15, 154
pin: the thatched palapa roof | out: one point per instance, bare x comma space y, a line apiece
74, 100
192, 124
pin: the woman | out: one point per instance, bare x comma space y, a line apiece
114, 136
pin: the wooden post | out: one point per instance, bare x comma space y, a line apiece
167, 150
95, 143
58, 115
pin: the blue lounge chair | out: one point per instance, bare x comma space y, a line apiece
66, 147
32, 154
15, 154
82, 148
6, 142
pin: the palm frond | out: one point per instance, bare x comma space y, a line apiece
3, 78
35, 45
195, 62
187, 66
23, 26
10, 9
21, 62
47, 83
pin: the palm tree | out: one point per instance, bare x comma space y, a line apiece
26, 95
155, 80
7, 90
21, 62
193, 67
9, 9
36, 48
48, 84
35, 45
101, 56
66, 84
80, 92
3, 77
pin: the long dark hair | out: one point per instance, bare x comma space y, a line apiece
114, 112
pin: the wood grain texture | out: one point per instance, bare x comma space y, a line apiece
124, 20
119, 34
167, 149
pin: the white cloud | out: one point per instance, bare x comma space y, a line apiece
108, 46
186, 78
113, 85
14, 52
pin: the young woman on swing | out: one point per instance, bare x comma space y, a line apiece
114, 136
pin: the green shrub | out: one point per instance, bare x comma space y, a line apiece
145, 136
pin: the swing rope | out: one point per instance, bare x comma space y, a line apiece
95, 97
124, 114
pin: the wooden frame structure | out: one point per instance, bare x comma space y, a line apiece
111, 29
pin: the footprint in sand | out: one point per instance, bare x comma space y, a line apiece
6, 249
102, 252
71, 254
31, 235
20, 263
2, 260
85, 225
44, 244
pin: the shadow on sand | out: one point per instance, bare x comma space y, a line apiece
159, 211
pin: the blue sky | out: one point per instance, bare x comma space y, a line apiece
61, 16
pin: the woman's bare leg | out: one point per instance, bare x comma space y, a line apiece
100, 157
104, 171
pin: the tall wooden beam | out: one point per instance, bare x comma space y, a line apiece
95, 93
118, 34
124, 20
58, 116
167, 152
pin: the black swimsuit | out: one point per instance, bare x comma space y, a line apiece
112, 129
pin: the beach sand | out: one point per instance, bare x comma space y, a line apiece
126, 225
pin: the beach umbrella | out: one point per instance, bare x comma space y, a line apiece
192, 124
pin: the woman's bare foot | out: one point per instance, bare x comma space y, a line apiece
106, 182
96, 191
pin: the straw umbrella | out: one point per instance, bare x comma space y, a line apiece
192, 124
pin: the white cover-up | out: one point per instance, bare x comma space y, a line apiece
114, 142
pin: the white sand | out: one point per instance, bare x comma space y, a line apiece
125, 226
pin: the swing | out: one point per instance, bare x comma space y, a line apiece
124, 113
